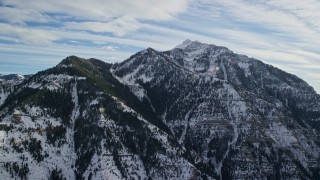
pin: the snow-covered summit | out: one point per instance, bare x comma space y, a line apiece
187, 43
199, 57
190, 45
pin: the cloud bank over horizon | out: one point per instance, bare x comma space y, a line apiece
36, 34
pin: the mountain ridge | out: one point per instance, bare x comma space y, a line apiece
193, 112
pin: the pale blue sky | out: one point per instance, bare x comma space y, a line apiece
38, 34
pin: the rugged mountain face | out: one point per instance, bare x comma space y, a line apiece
77, 121
8, 83
239, 116
13, 77
197, 111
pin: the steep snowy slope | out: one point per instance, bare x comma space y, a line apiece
241, 117
5, 90
74, 121
8, 84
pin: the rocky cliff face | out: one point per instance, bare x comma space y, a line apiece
8, 84
196, 111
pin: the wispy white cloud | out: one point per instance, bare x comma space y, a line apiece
27, 35
21, 16
141, 9
279, 17
119, 27
118, 17
110, 48
307, 11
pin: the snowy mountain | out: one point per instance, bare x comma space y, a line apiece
8, 83
13, 77
198, 111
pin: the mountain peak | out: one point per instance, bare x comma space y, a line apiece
68, 60
149, 49
187, 43
71, 61
190, 45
